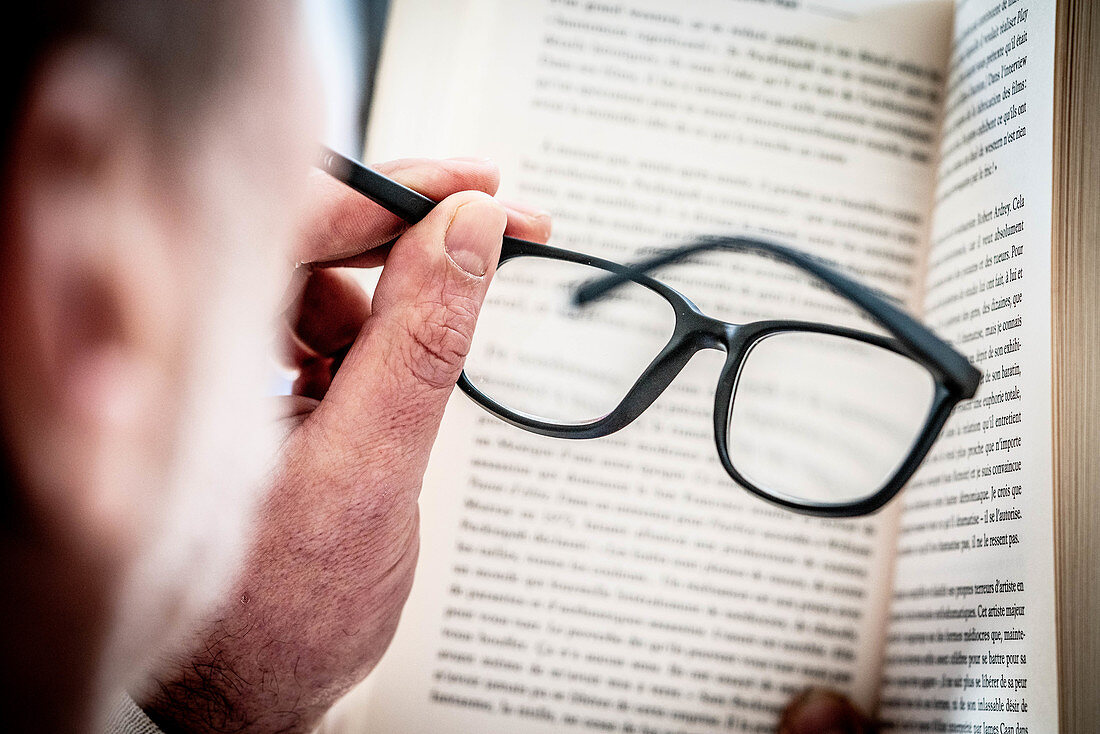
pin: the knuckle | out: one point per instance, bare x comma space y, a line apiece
440, 333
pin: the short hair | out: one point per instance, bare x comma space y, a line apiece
181, 49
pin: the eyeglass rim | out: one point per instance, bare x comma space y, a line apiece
694, 331
939, 410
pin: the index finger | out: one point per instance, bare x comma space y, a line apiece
341, 223
343, 228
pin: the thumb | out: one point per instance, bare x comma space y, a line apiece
395, 381
822, 711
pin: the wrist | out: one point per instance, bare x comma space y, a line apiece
229, 686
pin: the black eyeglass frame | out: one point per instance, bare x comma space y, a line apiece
954, 377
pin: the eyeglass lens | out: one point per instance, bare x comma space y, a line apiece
538, 354
825, 419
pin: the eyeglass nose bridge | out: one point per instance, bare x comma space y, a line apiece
706, 332
698, 332
695, 332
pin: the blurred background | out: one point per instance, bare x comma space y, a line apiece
346, 36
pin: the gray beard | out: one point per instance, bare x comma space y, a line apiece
222, 462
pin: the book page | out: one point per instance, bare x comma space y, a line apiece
971, 640
626, 583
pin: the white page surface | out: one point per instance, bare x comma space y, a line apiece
627, 584
971, 643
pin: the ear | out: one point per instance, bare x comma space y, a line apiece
86, 302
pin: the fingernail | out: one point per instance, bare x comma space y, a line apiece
473, 236
472, 159
526, 209
532, 213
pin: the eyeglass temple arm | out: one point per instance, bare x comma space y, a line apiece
407, 204
960, 374
413, 206
398, 199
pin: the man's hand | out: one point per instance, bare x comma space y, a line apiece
336, 543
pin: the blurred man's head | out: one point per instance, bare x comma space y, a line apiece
154, 154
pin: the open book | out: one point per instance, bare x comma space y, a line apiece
625, 584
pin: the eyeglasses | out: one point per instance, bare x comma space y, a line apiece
821, 419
